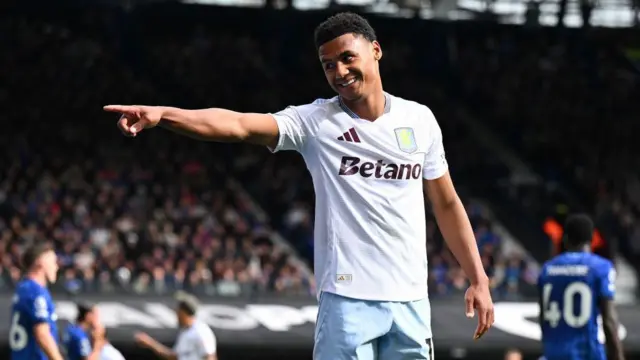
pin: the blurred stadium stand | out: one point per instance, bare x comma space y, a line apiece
150, 215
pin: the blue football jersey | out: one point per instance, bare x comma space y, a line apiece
32, 305
570, 286
76, 343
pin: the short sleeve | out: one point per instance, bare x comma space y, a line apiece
37, 309
292, 133
607, 281
207, 343
435, 162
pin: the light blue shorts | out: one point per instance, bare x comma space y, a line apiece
351, 329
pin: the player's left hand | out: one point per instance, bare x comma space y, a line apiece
478, 298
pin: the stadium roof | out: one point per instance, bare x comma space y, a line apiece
608, 13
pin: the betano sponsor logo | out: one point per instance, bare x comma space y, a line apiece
351, 165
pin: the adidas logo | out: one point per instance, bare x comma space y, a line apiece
350, 136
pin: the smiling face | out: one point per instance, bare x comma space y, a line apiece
350, 64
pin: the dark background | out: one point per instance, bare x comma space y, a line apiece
147, 216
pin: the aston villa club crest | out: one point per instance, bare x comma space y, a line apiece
406, 139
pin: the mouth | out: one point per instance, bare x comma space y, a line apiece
347, 83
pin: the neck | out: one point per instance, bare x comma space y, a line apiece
369, 107
581, 248
37, 277
188, 322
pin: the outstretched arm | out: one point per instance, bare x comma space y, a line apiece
214, 124
222, 125
155, 346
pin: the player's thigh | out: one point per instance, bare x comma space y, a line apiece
410, 336
348, 329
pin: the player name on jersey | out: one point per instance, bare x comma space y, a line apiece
568, 270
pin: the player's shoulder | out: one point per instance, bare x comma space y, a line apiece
595, 261
412, 106
545, 266
72, 333
558, 260
587, 260
601, 262
202, 328
599, 259
27, 288
317, 109
75, 331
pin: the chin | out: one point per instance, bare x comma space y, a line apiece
351, 96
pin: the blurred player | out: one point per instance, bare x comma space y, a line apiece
196, 340
575, 288
371, 155
109, 352
84, 340
33, 333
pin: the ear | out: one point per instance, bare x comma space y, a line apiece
377, 50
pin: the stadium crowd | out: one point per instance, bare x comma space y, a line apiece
568, 104
161, 212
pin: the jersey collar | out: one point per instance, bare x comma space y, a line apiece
345, 108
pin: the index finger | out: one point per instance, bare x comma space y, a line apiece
118, 108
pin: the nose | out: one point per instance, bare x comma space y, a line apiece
341, 71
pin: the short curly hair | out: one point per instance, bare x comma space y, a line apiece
578, 230
340, 24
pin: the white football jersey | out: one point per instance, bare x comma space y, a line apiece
195, 342
370, 231
109, 352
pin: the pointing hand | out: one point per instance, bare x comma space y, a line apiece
135, 118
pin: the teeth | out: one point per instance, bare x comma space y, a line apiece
348, 82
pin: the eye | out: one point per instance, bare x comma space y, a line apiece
329, 66
348, 59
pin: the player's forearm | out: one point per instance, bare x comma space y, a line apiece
162, 351
456, 229
206, 124
613, 343
49, 346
